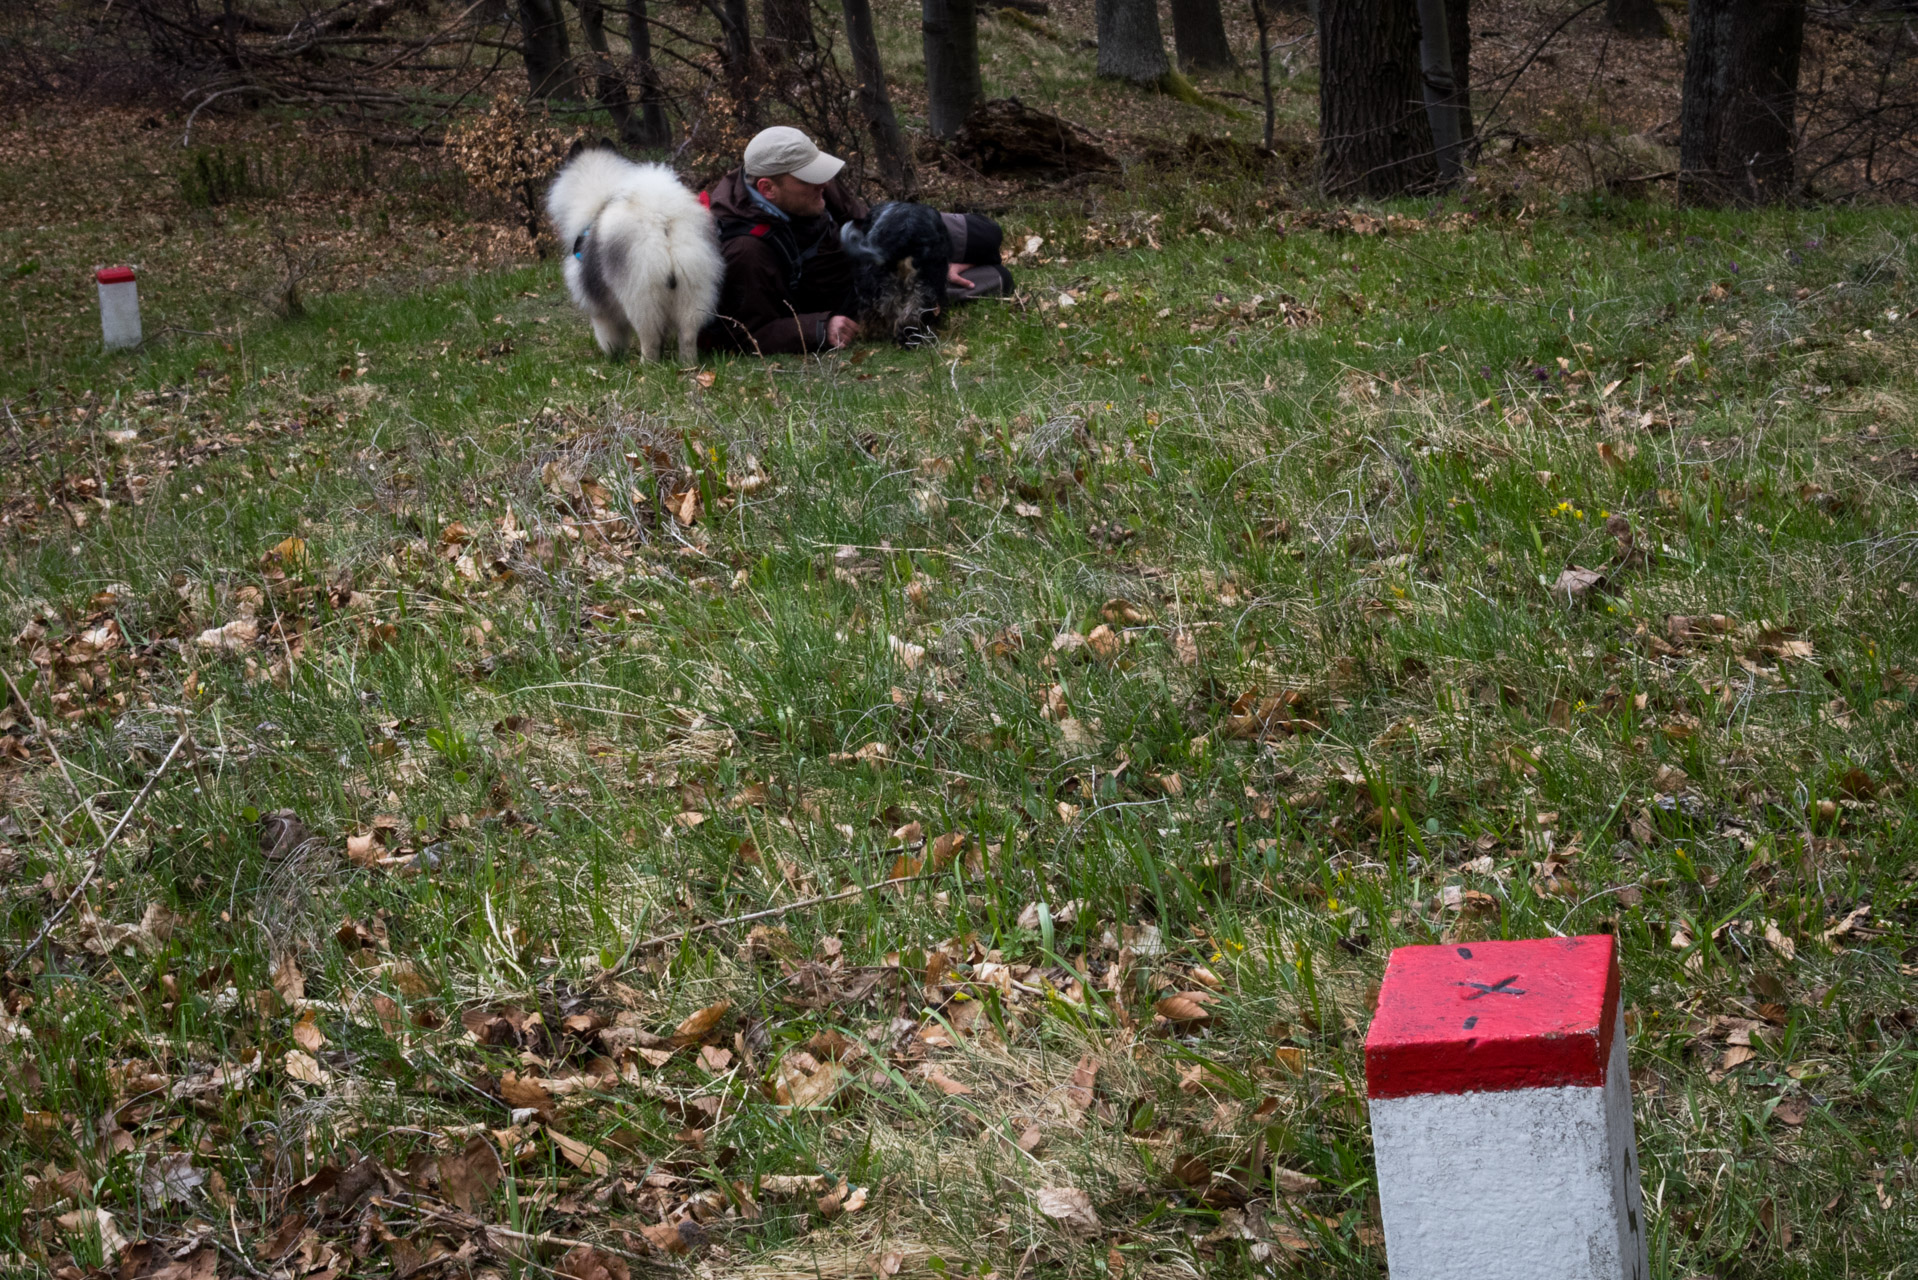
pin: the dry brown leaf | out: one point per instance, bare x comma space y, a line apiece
468, 1176
288, 980
579, 1154
583, 1262
757, 795
364, 850
1084, 1077
1793, 1111
305, 1068
793, 1184
1185, 647
1291, 1058
1771, 1216
386, 1011
1068, 1206
909, 655
673, 1237
698, 1024
235, 636
169, 1177
1476, 903
1857, 917
95, 1224
1121, 612
1077, 737
202, 1264
715, 1058
524, 1092
844, 1198
1736, 1056
813, 1089
1293, 1183
1575, 584
946, 848
307, 1033
1185, 1007
939, 1080
1616, 454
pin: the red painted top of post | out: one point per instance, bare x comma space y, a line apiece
1483, 1017
113, 275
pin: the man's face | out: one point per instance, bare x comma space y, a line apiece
791, 196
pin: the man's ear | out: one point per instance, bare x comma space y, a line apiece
765, 187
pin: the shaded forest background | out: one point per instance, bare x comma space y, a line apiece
277, 147
692, 76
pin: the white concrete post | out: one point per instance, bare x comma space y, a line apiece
119, 307
1502, 1114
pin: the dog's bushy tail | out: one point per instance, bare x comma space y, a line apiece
858, 244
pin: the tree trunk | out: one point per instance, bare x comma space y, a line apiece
1441, 89
1458, 25
1198, 36
1635, 18
875, 104
609, 86
546, 51
650, 128
788, 26
1374, 139
1737, 120
1263, 21
736, 56
950, 29
1130, 44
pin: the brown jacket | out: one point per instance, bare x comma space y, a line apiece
784, 279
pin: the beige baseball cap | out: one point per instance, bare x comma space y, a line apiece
783, 149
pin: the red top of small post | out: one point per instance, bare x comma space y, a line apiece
1484, 1017
114, 275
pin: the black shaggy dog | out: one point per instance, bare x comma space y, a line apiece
900, 251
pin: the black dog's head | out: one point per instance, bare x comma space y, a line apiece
900, 254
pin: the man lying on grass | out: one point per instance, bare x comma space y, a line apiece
789, 282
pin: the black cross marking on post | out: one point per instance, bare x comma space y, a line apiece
1502, 987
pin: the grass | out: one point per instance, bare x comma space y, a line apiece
528, 714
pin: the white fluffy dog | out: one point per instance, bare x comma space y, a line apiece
643, 254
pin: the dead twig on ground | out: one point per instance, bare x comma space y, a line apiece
40, 727
99, 855
638, 945
536, 1238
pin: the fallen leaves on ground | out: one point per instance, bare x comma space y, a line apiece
579, 1154
1068, 1206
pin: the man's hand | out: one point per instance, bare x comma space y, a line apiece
956, 275
840, 331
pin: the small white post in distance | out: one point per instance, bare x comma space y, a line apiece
119, 307
1501, 1111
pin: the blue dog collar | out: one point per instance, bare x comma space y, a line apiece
579, 243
